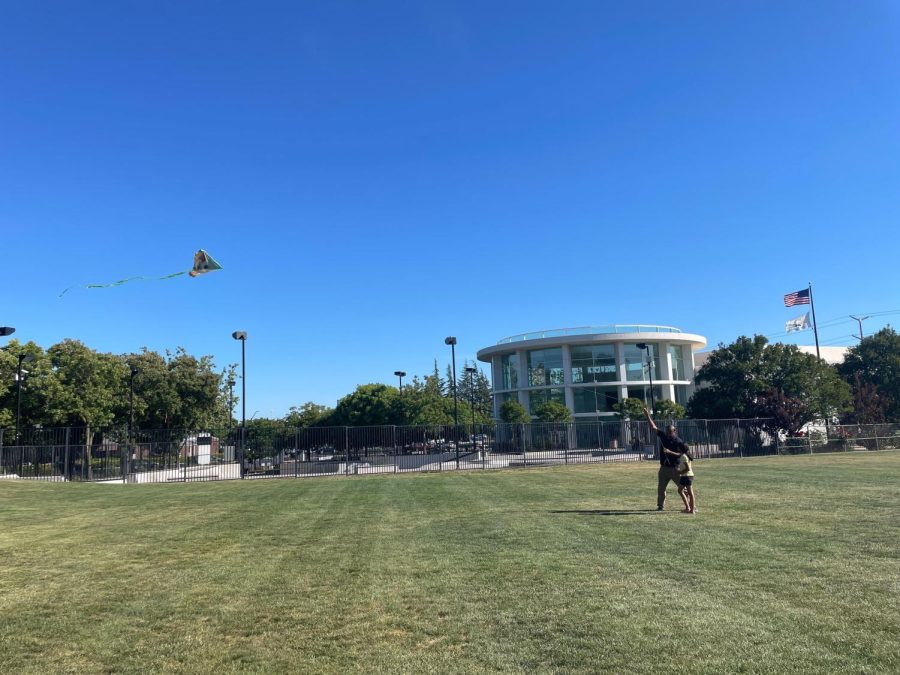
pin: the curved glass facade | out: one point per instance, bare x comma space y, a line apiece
591, 373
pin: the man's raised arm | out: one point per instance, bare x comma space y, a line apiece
650, 419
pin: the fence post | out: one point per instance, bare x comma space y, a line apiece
1, 452
347, 450
524, 449
396, 448
877, 444
809, 441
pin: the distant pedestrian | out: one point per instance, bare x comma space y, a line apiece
668, 462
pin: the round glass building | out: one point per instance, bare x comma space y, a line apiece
592, 368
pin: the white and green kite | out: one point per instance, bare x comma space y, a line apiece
203, 263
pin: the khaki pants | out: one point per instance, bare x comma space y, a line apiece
666, 474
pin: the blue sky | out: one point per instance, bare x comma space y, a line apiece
377, 176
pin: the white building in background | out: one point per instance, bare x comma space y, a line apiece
832, 355
592, 368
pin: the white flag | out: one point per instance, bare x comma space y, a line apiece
798, 324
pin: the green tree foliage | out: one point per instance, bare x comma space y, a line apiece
752, 379
869, 406
632, 408
668, 410
369, 404
37, 379
876, 359
87, 388
553, 411
308, 415
73, 385
513, 412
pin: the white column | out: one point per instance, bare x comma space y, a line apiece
620, 369
522, 377
567, 378
496, 377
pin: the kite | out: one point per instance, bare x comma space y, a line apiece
203, 263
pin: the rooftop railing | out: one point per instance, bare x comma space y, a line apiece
589, 330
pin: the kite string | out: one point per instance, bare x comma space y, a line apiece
122, 281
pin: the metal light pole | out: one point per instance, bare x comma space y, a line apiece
134, 371
471, 370
242, 336
859, 320
22, 358
452, 342
645, 346
401, 375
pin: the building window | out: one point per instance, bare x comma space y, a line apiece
594, 363
643, 393
538, 397
636, 363
509, 365
682, 394
545, 367
592, 399
677, 355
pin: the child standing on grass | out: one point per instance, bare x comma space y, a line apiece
686, 483
685, 471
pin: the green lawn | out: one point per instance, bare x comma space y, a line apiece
792, 565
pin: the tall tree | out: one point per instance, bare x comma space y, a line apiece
748, 377
87, 390
877, 361
37, 379
369, 404
308, 415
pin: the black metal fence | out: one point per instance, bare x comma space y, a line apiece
177, 455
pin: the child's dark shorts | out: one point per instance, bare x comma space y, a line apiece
686, 481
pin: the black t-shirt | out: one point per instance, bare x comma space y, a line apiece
674, 444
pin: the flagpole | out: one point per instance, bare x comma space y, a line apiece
815, 330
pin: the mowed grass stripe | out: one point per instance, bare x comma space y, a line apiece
791, 566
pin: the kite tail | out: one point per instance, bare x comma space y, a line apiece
122, 281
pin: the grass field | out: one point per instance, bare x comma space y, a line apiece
792, 565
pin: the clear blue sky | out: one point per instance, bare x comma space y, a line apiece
377, 176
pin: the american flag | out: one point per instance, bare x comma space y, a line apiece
797, 298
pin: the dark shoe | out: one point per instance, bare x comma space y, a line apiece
659, 508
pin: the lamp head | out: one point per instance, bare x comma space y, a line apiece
7, 330
25, 358
450, 340
471, 369
399, 373
239, 335
641, 345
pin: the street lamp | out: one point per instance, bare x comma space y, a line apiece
134, 371
471, 370
645, 346
452, 342
6, 330
23, 358
242, 336
859, 320
401, 375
